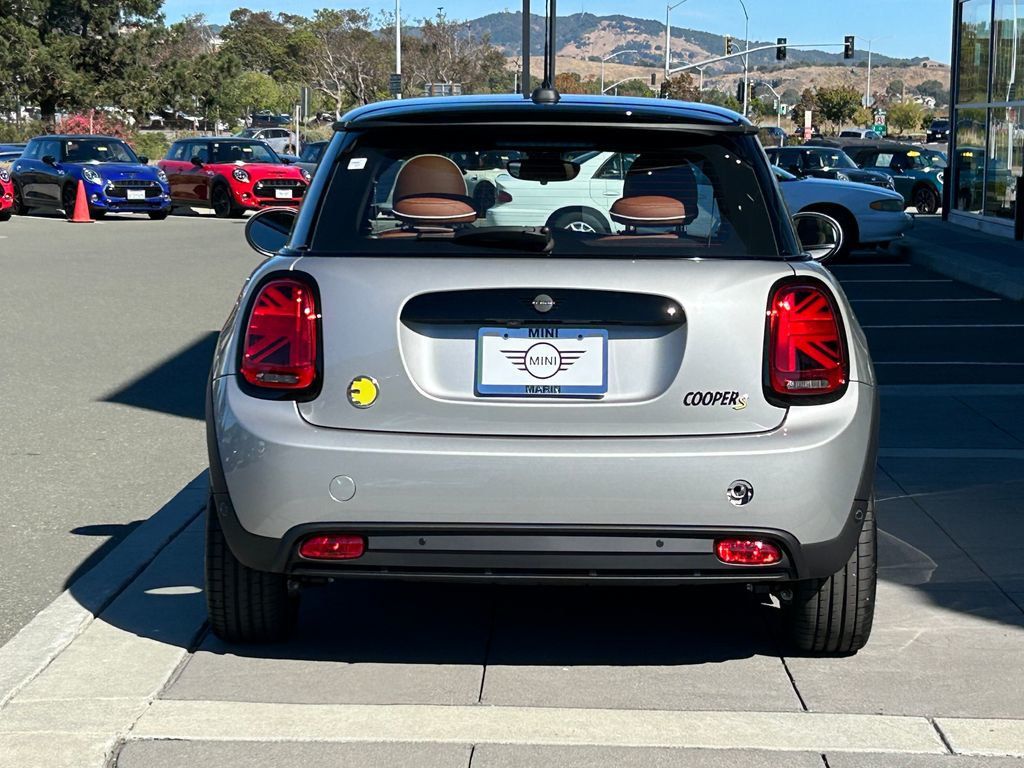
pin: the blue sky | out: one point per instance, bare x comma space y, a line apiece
899, 27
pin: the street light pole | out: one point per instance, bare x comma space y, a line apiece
746, 57
398, 43
668, 33
611, 56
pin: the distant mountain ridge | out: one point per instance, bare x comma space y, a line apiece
585, 35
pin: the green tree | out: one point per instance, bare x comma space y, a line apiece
837, 105
896, 87
64, 54
936, 90
905, 115
721, 99
808, 102
681, 87
864, 117
262, 42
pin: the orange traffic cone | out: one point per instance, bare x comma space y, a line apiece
81, 213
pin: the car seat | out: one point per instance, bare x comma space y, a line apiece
430, 191
660, 191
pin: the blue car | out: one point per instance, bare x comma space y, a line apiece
46, 176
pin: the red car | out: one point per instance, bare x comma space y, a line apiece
231, 176
6, 195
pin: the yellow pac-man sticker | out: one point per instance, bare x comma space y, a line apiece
913, 153
362, 392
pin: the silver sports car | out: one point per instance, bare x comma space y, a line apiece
679, 396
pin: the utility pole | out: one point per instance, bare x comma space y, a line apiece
668, 33
398, 43
525, 80
746, 57
606, 58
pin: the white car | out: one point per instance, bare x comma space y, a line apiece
281, 140
599, 183
868, 215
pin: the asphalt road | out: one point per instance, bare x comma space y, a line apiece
106, 327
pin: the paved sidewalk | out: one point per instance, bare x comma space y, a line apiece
985, 261
487, 677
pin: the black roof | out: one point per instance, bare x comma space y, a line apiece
571, 109
75, 137
880, 144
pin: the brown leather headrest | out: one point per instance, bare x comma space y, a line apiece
434, 209
429, 174
648, 210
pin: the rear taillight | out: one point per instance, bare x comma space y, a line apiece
503, 197
333, 546
806, 352
280, 347
747, 552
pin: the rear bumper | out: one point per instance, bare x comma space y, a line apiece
273, 477
882, 227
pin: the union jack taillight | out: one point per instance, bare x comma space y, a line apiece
280, 346
806, 350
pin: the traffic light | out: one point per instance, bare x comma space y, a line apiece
780, 50
739, 91
728, 45
848, 47
654, 79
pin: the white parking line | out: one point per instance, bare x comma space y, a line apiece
907, 280
951, 325
863, 301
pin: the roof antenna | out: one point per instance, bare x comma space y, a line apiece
547, 94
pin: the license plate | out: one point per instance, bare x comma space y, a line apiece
542, 362
136, 194
283, 194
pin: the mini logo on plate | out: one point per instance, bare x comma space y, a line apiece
543, 360
363, 391
543, 303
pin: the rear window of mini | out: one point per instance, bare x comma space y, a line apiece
561, 191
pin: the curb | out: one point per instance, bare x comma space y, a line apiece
970, 268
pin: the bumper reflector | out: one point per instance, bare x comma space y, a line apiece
747, 552
332, 546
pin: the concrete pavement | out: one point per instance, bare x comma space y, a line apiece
436, 675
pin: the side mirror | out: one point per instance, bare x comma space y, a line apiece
268, 230
820, 236
143, 159
49, 159
196, 161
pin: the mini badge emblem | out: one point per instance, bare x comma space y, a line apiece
543, 303
363, 391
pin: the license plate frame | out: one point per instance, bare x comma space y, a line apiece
283, 193
566, 367
135, 194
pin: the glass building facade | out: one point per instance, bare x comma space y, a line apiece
987, 93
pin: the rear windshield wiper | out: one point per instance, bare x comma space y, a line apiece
536, 239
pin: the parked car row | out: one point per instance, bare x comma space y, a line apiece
229, 175
917, 172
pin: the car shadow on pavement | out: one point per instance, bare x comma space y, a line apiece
410, 623
176, 385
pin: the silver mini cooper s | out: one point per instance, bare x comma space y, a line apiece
554, 343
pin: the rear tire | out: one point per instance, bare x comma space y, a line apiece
244, 605
926, 200
19, 209
579, 220
833, 616
5, 215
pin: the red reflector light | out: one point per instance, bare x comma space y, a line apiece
503, 197
747, 552
331, 546
806, 353
279, 351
